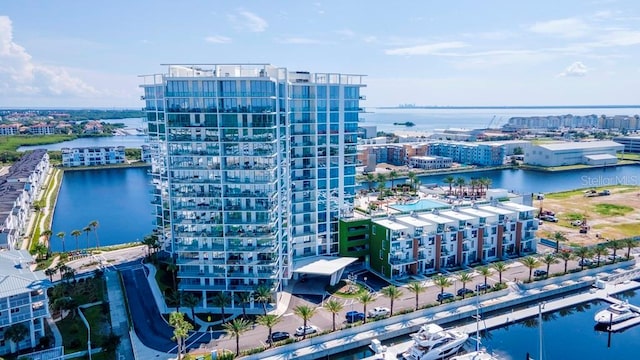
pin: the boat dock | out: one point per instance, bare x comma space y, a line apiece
545, 307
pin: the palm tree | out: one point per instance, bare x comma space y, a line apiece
549, 259
474, 185
615, 245
94, 226
393, 293
629, 243
305, 312
486, 272
191, 301
61, 235
559, 236
416, 287
50, 272
599, 251
181, 329
243, 298
412, 178
268, 321
565, 255
371, 178
531, 263
40, 250
174, 298
16, 333
582, 253
87, 230
460, 182
172, 267
449, 179
47, 234
392, 176
76, 234
486, 182
334, 307
262, 295
221, 300
236, 328
499, 267
464, 278
365, 299
110, 343
442, 282
149, 241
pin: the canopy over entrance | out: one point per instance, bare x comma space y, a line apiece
323, 265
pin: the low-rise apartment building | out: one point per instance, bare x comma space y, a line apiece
430, 162
23, 300
9, 129
92, 156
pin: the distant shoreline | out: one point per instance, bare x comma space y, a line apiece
496, 107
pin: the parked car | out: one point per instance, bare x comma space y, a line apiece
378, 311
584, 262
464, 291
278, 336
310, 329
576, 222
354, 316
549, 218
539, 273
482, 287
445, 296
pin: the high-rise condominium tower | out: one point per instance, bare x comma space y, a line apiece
253, 166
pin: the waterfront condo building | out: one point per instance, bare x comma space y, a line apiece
253, 166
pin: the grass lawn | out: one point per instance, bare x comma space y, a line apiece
12, 143
612, 209
628, 229
163, 277
344, 290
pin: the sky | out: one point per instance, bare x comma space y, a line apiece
85, 54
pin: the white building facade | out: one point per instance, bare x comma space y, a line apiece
253, 165
93, 156
597, 153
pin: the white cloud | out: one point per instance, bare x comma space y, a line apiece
576, 69
248, 21
370, 39
300, 40
217, 39
19, 74
346, 33
569, 27
426, 49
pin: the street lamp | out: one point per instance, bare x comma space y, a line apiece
210, 328
365, 282
88, 331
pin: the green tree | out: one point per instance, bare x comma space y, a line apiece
237, 327
262, 295
442, 282
268, 321
393, 293
393, 175
630, 243
191, 301
416, 287
60, 236
582, 253
333, 306
366, 298
149, 241
558, 236
181, 329
87, 230
518, 151
549, 259
412, 180
615, 245
565, 255
40, 250
449, 180
94, 227
243, 298
305, 312
16, 333
464, 278
50, 272
172, 267
76, 234
371, 178
110, 344
460, 183
221, 300
174, 298
599, 251
500, 267
531, 263
485, 272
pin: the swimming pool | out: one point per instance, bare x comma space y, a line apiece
420, 205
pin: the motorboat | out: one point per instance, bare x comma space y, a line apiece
475, 355
615, 313
377, 347
433, 342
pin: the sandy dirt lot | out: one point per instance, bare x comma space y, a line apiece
621, 223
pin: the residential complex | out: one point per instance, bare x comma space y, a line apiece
18, 190
442, 237
597, 153
23, 299
631, 143
92, 156
254, 165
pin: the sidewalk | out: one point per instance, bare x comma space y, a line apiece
119, 320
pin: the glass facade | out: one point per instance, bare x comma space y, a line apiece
253, 166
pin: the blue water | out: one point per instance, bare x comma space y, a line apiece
422, 204
118, 199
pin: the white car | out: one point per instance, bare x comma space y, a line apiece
378, 311
310, 329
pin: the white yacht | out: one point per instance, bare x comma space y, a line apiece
475, 355
615, 313
433, 342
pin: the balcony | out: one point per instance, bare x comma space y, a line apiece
402, 261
